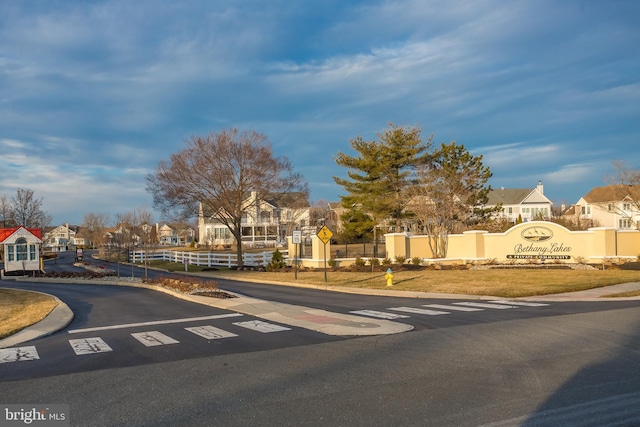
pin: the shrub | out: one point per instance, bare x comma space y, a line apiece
359, 262
401, 259
416, 260
387, 262
277, 261
332, 262
374, 262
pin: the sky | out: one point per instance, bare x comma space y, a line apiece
93, 94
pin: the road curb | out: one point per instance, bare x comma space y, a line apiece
59, 318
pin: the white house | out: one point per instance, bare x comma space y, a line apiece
526, 203
267, 221
21, 248
611, 206
61, 237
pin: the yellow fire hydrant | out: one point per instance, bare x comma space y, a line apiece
389, 277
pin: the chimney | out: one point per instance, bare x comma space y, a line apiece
540, 187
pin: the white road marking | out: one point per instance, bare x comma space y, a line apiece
210, 332
453, 307
418, 311
89, 346
154, 338
260, 326
156, 322
379, 314
485, 305
526, 304
18, 354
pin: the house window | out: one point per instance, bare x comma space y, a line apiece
21, 249
222, 233
610, 207
510, 210
623, 223
583, 210
32, 252
265, 216
11, 252
626, 206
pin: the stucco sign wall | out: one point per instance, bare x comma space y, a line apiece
538, 243
531, 241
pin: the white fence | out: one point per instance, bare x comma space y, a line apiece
204, 259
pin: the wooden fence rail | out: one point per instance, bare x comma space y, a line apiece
204, 259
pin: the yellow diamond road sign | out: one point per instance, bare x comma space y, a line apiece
324, 234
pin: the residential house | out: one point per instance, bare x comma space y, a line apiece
616, 206
63, 237
21, 248
267, 222
124, 235
525, 203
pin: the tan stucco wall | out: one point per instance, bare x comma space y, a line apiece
628, 243
523, 243
317, 259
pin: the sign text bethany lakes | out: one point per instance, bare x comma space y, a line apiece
531, 250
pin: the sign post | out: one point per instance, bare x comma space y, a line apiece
324, 234
296, 239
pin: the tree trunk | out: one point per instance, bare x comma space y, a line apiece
237, 234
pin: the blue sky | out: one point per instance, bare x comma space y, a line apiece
94, 93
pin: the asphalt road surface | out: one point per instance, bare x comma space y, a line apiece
570, 370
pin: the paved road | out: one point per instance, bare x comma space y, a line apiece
422, 313
116, 326
570, 370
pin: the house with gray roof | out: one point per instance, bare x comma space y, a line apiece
526, 203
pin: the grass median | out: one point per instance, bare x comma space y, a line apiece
19, 309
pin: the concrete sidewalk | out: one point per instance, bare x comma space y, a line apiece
595, 294
305, 317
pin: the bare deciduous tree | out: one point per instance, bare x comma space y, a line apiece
626, 186
450, 191
220, 171
26, 210
94, 226
5, 212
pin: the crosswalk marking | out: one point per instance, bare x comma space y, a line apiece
452, 307
154, 338
153, 323
89, 346
523, 303
260, 326
18, 354
419, 311
210, 332
485, 305
380, 314
93, 345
